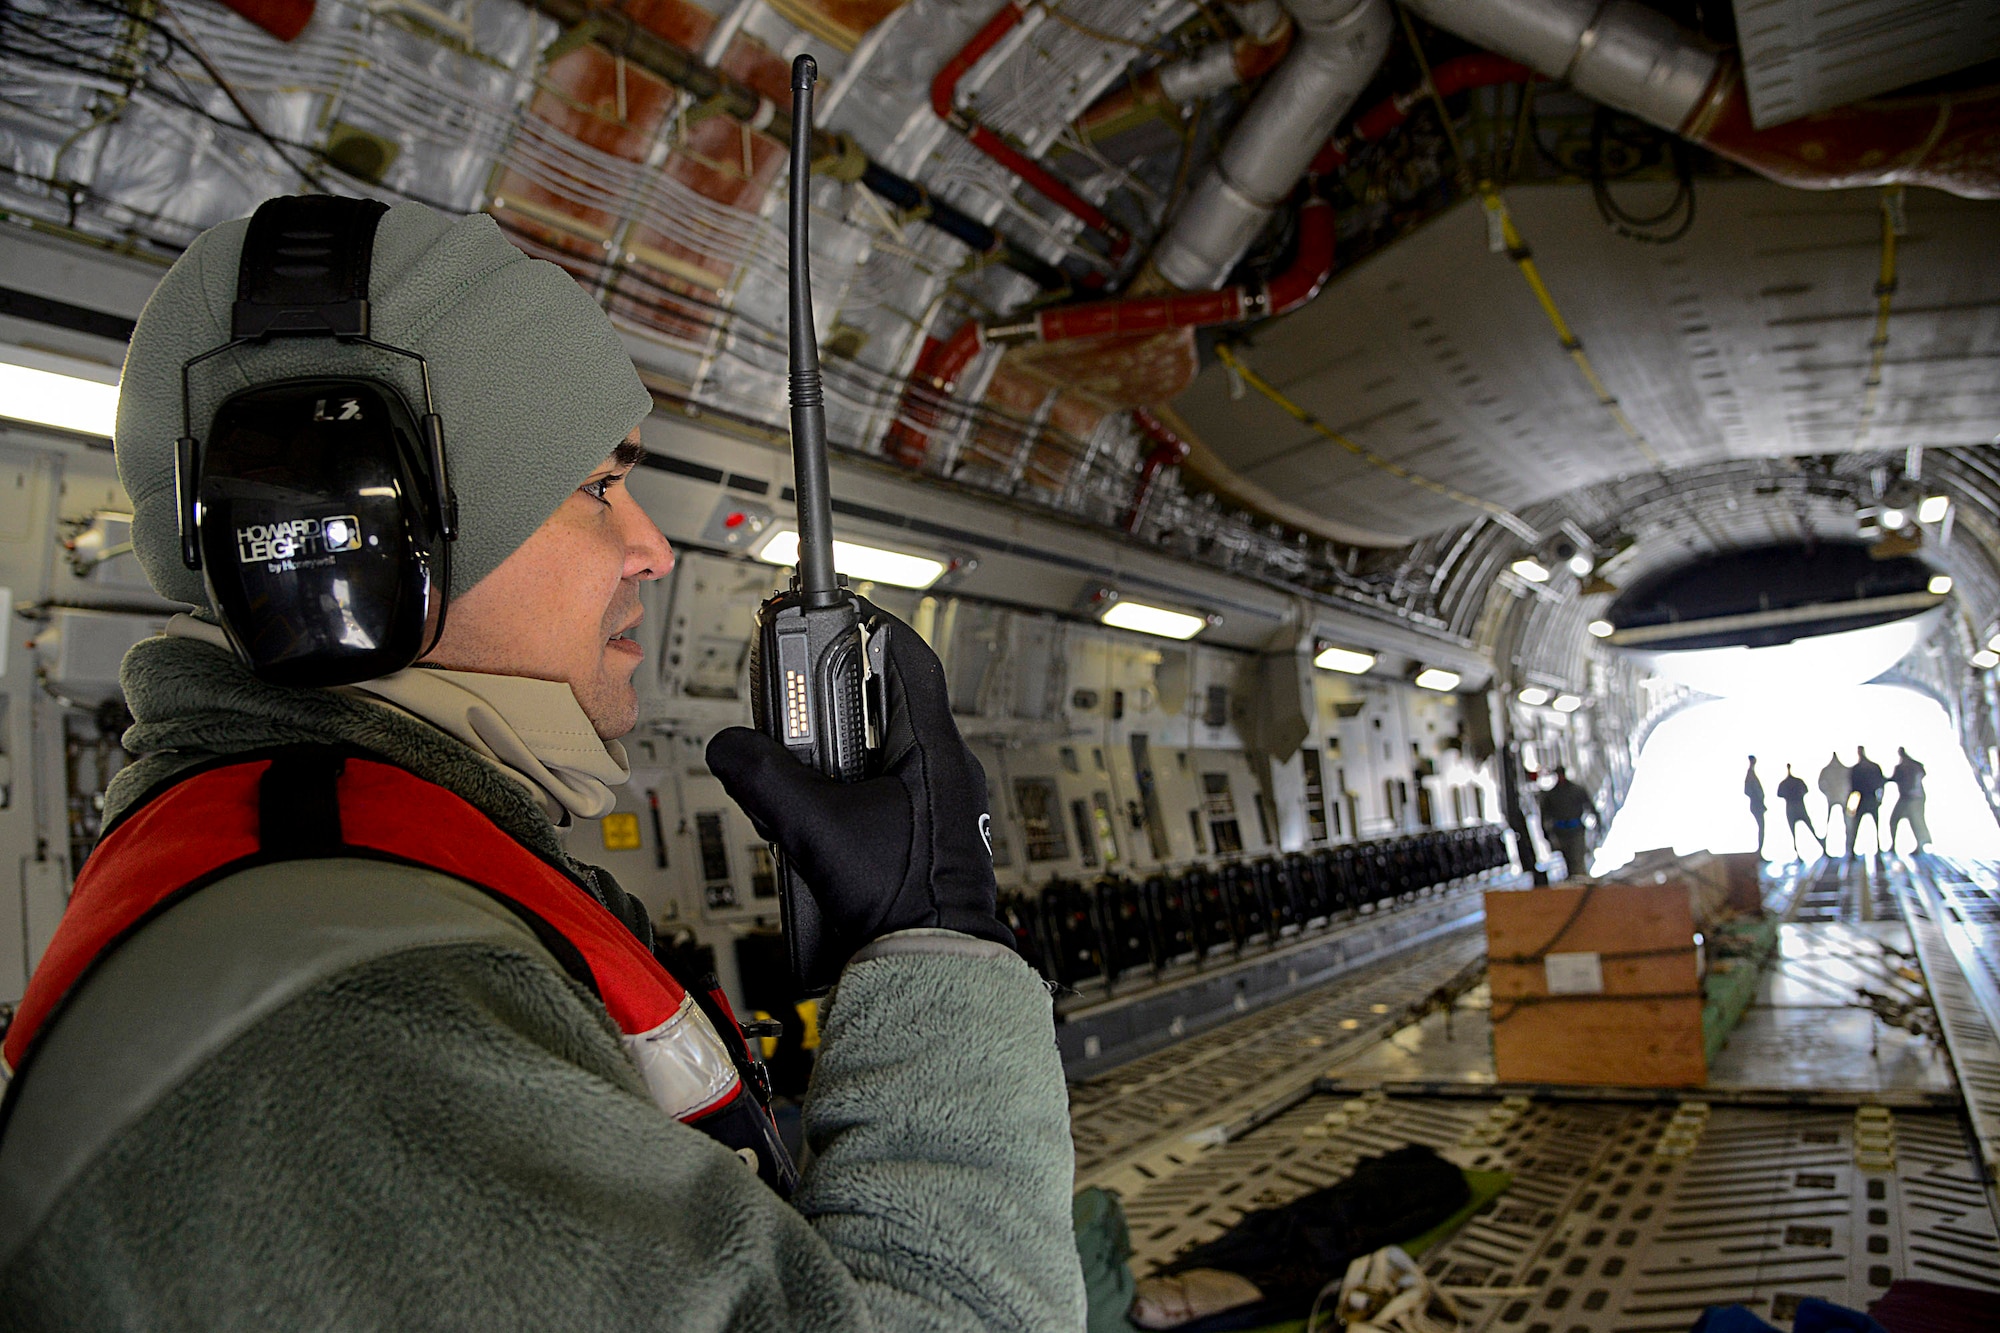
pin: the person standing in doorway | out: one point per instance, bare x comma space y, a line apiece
1833, 786
1792, 791
1865, 782
1753, 790
1908, 776
1564, 808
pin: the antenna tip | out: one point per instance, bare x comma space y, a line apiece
804, 71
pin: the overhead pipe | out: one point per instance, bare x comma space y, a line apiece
1169, 450
283, 19
1479, 70
1637, 60
1337, 47
614, 32
940, 364
1265, 35
944, 101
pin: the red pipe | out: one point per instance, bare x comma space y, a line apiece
944, 101
1169, 450
1250, 57
1950, 141
283, 19
1482, 69
940, 364
1299, 283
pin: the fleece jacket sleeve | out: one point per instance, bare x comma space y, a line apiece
942, 1160
452, 1137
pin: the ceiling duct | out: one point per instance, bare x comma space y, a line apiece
1337, 48
1637, 60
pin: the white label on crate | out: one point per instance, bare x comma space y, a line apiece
1574, 973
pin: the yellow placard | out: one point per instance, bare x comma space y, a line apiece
809, 1015
620, 832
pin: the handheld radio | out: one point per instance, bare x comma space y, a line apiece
814, 667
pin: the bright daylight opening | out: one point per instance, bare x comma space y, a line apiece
1687, 788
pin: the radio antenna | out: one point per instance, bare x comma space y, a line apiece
817, 583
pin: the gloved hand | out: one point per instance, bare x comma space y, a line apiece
904, 849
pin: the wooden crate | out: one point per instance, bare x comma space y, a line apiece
1596, 1039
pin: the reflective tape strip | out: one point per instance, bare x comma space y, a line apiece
684, 1063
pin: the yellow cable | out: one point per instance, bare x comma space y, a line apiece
1517, 250
1501, 514
1885, 291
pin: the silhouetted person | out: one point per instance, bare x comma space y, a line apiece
1834, 786
1792, 791
1908, 776
1753, 789
1865, 782
1564, 808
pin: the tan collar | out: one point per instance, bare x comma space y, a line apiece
532, 730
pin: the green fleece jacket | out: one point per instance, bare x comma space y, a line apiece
449, 1134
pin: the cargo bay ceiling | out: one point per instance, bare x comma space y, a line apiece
1365, 301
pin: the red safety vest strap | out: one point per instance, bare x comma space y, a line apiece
209, 824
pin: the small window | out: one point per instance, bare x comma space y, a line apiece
1194, 827
1215, 711
1105, 826
1041, 820
1223, 829
1086, 845
714, 847
1315, 783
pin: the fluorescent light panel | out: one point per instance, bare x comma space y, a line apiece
1153, 620
1567, 703
1580, 564
1892, 519
1437, 678
1531, 570
1933, 509
1939, 585
1344, 659
863, 564
1985, 658
1601, 629
1534, 696
47, 390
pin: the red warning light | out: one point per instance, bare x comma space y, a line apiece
735, 520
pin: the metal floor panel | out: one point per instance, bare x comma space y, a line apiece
1629, 1213
1606, 1234
1959, 946
1211, 1085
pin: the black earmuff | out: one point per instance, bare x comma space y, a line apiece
317, 509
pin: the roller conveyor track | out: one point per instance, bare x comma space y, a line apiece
1600, 1231
1953, 912
1603, 1234
1212, 1085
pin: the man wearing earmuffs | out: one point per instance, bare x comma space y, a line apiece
335, 1034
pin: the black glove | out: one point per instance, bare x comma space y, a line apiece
907, 848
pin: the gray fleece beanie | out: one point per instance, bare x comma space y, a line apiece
526, 371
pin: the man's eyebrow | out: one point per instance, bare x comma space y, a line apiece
629, 453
